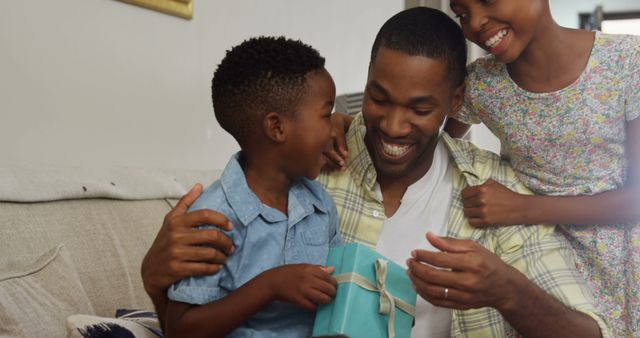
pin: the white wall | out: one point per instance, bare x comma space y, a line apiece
104, 83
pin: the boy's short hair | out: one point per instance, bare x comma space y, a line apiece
260, 75
423, 31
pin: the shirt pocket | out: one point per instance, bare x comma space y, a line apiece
315, 236
315, 246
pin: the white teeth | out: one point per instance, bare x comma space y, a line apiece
395, 149
495, 40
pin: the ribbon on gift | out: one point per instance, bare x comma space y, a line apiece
388, 302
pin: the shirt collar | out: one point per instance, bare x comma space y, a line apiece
363, 171
304, 200
360, 165
464, 157
247, 206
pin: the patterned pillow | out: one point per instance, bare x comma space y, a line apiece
128, 323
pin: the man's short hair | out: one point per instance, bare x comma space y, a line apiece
260, 75
423, 31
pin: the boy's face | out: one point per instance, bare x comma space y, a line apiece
311, 126
406, 102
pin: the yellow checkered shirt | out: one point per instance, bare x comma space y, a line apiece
537, 251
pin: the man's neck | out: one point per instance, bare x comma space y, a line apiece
394, 187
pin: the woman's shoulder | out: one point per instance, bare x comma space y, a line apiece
620, 44
485, 68
487, 63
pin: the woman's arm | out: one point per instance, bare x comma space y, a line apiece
455, 128
493, 204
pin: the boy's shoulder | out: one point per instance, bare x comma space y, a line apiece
213, 197
316, 192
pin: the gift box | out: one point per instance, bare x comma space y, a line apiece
374, 297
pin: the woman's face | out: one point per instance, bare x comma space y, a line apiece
504, 28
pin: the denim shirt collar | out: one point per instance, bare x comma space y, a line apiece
247, 206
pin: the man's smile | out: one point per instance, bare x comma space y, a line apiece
394, 149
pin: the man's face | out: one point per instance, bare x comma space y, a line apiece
406, 102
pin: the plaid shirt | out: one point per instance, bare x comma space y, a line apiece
537, 251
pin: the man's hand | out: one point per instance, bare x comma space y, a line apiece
464, 275
178, 250
337, 154
491, 203
304, 285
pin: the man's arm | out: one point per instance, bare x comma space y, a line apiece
305, 285
338, 153
180, 251
475, 278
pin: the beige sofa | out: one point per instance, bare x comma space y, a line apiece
72, 240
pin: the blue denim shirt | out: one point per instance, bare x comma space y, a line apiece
265, 238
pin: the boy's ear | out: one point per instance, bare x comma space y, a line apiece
273, 125
457, 100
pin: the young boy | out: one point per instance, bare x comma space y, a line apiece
274, 96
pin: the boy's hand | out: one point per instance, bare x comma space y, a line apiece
304, 285
178, 250
491, 203
337, 154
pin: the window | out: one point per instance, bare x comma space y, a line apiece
611, 22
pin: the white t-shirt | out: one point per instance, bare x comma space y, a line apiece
423, 208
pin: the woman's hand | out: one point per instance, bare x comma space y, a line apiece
491, 203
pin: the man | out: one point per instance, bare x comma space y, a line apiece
403, 180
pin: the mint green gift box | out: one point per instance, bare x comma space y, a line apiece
356, 311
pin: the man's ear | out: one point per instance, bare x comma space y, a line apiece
457, 100
274, 126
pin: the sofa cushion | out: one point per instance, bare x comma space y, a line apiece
35, 299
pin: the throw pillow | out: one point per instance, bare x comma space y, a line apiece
127, 324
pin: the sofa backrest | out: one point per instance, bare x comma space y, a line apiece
104, 240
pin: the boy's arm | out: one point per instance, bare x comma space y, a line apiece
493, 204
218, 318
304, 285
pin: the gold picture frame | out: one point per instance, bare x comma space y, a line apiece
180, 8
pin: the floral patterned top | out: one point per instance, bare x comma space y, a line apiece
567, 142
572, 142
